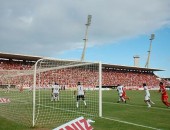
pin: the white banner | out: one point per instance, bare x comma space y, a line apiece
76, 124
4, 100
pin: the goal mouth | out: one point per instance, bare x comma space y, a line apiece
32, 100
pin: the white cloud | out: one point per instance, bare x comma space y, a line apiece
46, 27
26, 20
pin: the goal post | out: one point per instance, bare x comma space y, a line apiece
66, 74
100, 89
30, 100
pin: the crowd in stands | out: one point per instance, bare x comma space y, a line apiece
129, 78
70, 76
17, 65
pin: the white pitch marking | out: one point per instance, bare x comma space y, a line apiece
130, 123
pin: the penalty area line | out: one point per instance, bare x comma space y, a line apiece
130, 123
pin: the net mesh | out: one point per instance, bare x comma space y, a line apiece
18, 91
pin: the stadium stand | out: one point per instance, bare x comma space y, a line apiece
129, 76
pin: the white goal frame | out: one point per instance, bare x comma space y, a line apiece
35, 71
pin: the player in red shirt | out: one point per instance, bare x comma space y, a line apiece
124, 94
164, 93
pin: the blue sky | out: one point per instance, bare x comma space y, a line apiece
122, 52
118, 31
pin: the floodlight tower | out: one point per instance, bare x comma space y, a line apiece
149, 52
86, 34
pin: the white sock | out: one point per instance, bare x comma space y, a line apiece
123, 99
119, 99
85, 103
77, 104
152, 102
149, 105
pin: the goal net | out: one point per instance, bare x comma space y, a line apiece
29, 93
16, 96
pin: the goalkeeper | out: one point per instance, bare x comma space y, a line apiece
80, 94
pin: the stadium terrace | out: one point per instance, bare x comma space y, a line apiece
130, 76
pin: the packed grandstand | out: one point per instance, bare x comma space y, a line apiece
131, 77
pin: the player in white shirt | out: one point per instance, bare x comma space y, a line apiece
120, 93
147, 99
80, 94
55, 92
8, 88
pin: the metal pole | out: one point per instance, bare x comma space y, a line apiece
85, 42
86, 35
34, 91
100, 89
149, 52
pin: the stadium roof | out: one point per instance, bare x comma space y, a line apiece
19, 56
122, 67
35, 58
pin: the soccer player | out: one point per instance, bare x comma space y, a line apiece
124, 94
55, 92
8, 88
120, 93
80, 94
147, 99
162, 90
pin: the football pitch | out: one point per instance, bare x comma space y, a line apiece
134, 115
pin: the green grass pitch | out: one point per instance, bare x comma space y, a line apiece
134, 115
